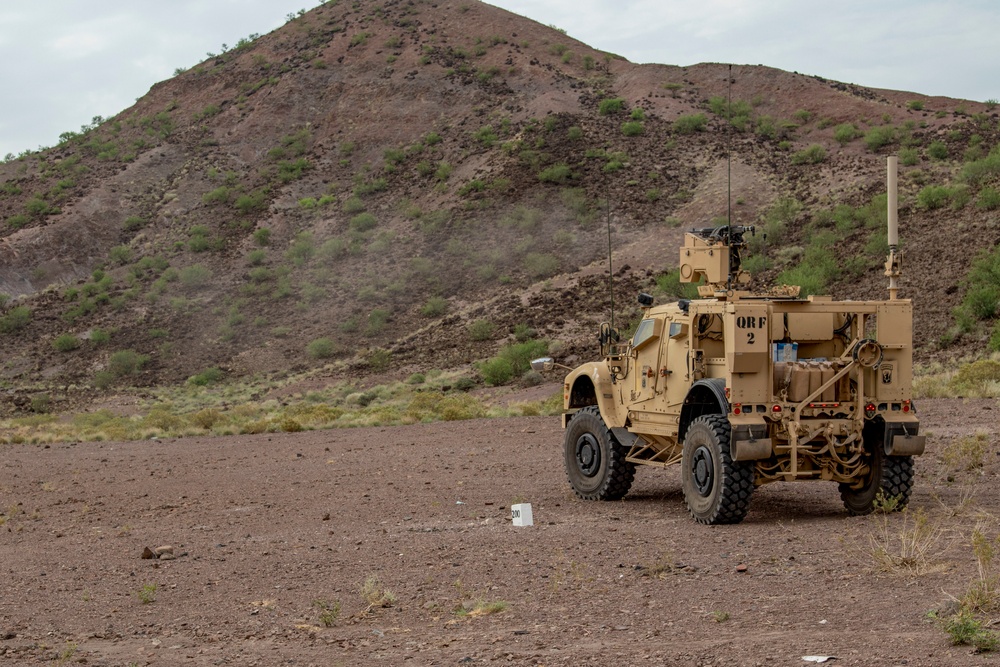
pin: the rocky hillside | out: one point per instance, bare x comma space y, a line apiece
403, 185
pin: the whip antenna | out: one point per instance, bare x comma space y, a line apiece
729, 163
729, 151
611, 278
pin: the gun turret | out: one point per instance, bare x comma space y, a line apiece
714, 254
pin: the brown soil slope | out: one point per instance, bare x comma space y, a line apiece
333, 177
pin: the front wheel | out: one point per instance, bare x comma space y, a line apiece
595, 460
716, 489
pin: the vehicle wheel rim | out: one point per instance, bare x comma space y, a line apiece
588, 454
702, 471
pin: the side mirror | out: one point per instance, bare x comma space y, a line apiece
542, 364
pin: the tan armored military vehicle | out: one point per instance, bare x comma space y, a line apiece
745, 389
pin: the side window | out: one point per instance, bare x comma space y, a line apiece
643, 332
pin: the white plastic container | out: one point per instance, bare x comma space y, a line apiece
785, 352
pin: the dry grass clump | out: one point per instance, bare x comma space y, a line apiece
969, 625
906, 542
972, 379
236, 408
375, 594
966, 453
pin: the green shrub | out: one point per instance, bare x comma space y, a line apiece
632, 128
353, 205
611, 106
321, 348
574, 133
812, 155
481, 330
690, 124
301, 249
974, 378
208, 376
251, 202
66, 343
100, 336
377, 319
520, 354
363, 222
291, 170
878, 137
126, 362
982, 297
18, 221
993, 344
937, 150
557, 173
220, 195
15, 319
909, 157
989, 199
443, 171
845, 133
983, 169
262, 236
260, 274
379, 360
965, 629
436, 306
133, 223
496, 371
486, 136
196, 275
332, 249
541, 265
933, 197
40, 403
523, 332
370, 187
256, 257
817, 269
120, 254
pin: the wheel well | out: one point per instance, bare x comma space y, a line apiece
706, 397
583, 393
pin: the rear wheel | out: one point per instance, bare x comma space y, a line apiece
716, 488
595, 460
889, 481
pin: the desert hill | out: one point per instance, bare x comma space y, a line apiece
407, 185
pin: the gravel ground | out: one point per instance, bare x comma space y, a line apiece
275, 536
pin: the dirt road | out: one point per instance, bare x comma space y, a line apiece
272, 533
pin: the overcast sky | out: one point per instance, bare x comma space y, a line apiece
66, 61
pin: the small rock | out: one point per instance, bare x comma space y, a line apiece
169, 555
147, 553
165, 549
741, 567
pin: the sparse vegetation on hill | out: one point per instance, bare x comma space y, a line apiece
242, 210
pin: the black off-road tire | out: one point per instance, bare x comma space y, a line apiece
717, 489
892, 476
595, 460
